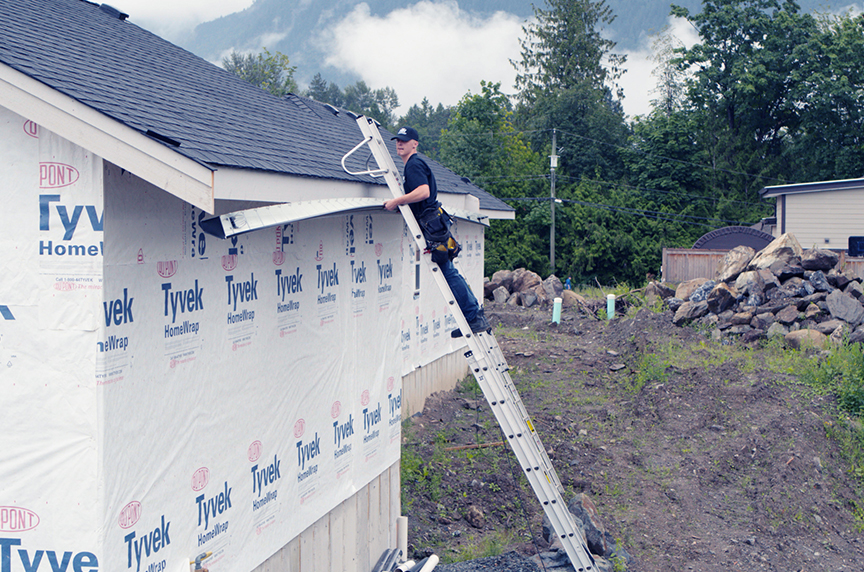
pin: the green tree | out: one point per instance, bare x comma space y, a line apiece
375, 103
321, 90
481, 143
270, 72
566, 77
829, 91
564, 48
429, 122
358, 98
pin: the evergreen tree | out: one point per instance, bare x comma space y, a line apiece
270, 72
429, 122
566, 80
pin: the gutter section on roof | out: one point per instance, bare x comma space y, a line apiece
249, 220
125, 147
267, 186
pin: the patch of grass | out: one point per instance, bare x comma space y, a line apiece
651, 368
518, 334
841, 374
493, 544
469, 386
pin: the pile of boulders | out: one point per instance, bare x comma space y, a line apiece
783, 290
523, 287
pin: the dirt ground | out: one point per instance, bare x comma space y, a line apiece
719, 461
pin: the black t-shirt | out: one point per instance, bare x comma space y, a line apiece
418, 173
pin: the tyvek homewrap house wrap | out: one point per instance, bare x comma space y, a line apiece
165, 393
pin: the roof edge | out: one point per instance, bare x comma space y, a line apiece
123, 146
814, 187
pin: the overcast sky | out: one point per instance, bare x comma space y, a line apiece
453, 50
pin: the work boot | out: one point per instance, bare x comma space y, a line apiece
477, 325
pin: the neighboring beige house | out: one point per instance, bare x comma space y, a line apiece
823, 214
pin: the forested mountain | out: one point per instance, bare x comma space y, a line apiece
294, 27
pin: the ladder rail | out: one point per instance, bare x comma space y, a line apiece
490, 368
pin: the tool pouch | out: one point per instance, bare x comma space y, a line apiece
435, 224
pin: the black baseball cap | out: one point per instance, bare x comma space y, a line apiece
407, 134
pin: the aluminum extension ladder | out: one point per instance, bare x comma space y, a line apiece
491, 371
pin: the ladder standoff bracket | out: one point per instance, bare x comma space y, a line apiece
370, 172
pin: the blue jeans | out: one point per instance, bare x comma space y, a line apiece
464, 297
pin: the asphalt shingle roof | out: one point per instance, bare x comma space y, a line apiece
149, 84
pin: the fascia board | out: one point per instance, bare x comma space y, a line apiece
271, 187
498, 215
92, 130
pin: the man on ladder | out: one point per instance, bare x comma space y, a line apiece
430, 224
421, 194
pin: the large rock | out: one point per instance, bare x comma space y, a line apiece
854, 289
734, 263
543, 297
583, 508
840, 279
524, 280
828, 327
475, 517
787, 315
805, 338
769, 280
701, 293
721, 298
750, 282
788, 272
777, 330
763, 321
500, 294
819, 259
488, 288
527, 299
820, 282
570, 298
503, 278
553, 287
690, 311
845, 307
783, 251
686, 288
659, 289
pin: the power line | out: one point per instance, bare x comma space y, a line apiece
683, 162
656, 215
616, 185
620, 147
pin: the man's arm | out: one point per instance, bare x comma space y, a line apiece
415, 196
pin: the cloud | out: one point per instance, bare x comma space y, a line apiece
172, 19
638, 82
432, 50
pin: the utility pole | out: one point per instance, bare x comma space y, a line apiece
553, 162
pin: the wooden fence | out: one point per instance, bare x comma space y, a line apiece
682, 264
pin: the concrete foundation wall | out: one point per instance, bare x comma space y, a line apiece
351, 537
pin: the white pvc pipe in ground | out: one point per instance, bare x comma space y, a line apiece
430, 564
402, 536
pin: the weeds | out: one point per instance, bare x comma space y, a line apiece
490, 545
